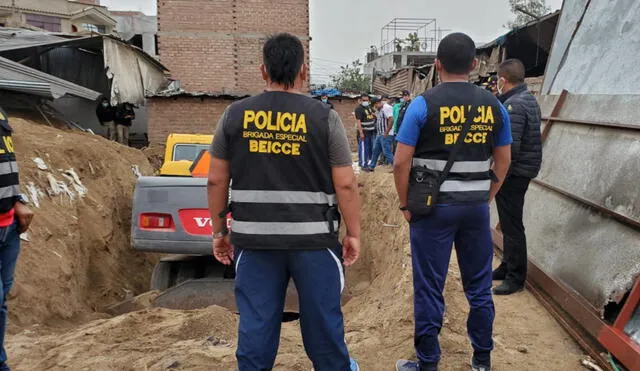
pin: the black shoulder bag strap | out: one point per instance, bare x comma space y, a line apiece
455, 150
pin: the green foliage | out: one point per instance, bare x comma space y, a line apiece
538, 8
414, 42
351, 79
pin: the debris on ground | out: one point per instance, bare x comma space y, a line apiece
379, 319
40, 163
78, 258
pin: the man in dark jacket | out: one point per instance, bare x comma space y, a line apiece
124, 119
106, 115
526, 157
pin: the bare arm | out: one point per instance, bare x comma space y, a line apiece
346, 187
502, 161
218, 192
402, 170
389, 126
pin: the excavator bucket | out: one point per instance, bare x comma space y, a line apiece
205, 292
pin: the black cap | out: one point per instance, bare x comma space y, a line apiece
406, 92
385, 96
375, 100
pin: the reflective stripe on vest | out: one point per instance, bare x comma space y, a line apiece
258, 228
10, 191
8, 167
283, 197
458, 166
465, 185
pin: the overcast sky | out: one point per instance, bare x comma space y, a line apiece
343, 30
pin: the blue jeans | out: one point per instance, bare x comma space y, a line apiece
367, 147
9, 250
432, 238
262, 277
382, 145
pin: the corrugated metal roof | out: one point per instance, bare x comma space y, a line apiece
393, 85
18, 77
17, 38
42, 89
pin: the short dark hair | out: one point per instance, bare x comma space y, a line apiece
365, 96
283, 56
512, 70
456, 53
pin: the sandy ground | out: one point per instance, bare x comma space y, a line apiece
78, 259
379, 318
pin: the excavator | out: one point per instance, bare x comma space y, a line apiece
170, 216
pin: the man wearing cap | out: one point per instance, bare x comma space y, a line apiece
405, 100
325, 99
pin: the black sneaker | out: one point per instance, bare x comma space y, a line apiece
475, 366
500, 273
508, 288
404, 365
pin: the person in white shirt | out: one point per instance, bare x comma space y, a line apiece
384, 140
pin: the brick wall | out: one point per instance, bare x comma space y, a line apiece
345, 108
184, 115
193, 115
216, 46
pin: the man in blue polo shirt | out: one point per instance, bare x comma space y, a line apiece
429, 131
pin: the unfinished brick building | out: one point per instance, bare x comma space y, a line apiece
214, 48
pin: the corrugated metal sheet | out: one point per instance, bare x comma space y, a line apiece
41, 89
17, 38
594, 58
395, 84
133, 76
596, 48
13, 71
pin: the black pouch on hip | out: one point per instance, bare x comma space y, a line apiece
424, 187
424, 183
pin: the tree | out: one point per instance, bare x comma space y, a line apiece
414, 42
525, 10
351, 79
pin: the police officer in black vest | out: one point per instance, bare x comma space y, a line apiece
430, 130
290, 162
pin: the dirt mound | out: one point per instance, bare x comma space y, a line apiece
153, 339
379, 320
155, 155
78, 258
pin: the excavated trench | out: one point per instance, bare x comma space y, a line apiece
378, 320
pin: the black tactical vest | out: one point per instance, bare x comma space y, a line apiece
449, 105
9, 178
282, 193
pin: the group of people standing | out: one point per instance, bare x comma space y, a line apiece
471, 146
117, 119
378, 121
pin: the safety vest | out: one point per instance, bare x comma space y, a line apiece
9, 177
449, 106
282, 193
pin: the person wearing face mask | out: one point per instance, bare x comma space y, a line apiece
366, 119
526, 158
325, 99
106, 115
